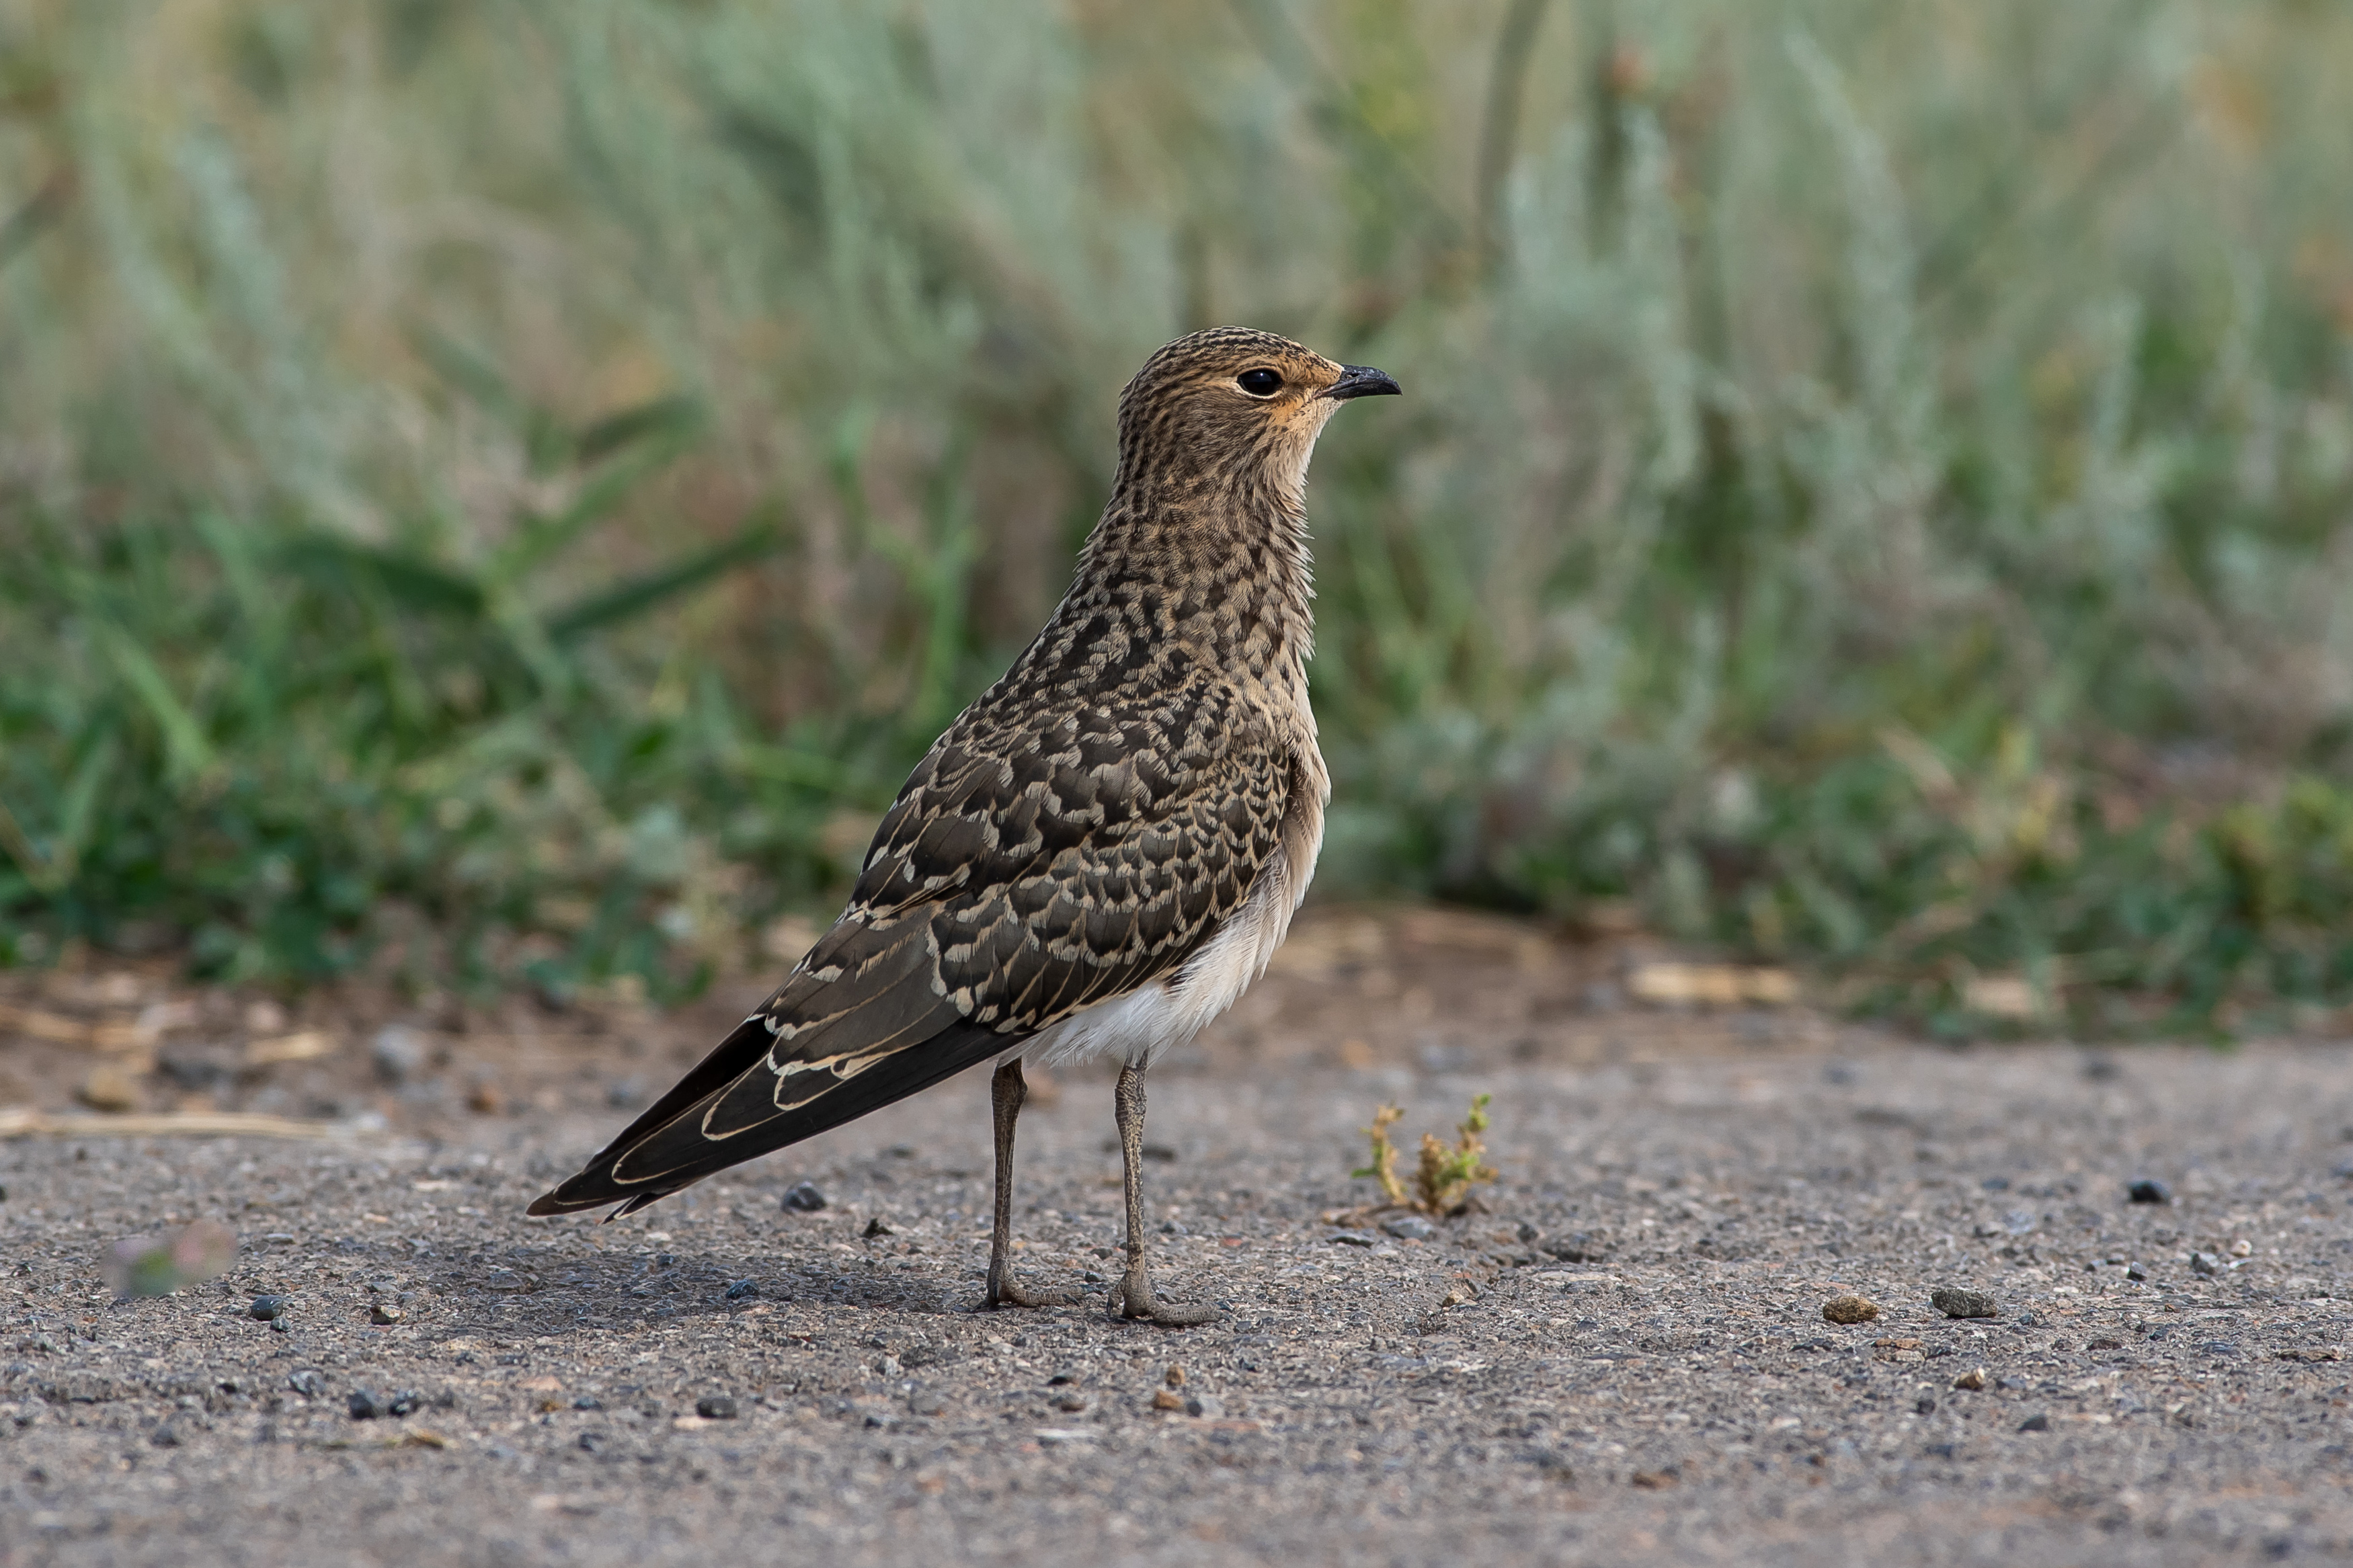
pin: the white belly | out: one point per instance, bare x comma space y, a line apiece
1143, 1024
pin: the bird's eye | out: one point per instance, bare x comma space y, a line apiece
1260, 382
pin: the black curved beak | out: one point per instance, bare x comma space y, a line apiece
1363, 381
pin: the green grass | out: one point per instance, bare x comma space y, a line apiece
498, 492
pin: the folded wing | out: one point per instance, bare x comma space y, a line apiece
1018, 879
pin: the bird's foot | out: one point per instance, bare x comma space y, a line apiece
1009, 1292
1134, 1297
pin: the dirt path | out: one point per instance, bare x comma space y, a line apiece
1623, 1360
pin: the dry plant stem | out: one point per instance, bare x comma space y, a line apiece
1007, 1090
1133, 1297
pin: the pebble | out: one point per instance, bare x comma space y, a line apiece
2243, 1247
587, 1401
362, 1405
2147, 1190
2205, 1263
109, 1087
1167, 1399
2035, 1424
802, 1197
266, 1308
2135, 1273
398, 1053
1353, 1238
1849, 1309
1410, 1227
383, 1315
743, 1288
715, 1408
401, 1404
306, 1383
1971, 1380
1958, 1303
1208, 1406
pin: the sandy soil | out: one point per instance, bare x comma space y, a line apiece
1621, 1356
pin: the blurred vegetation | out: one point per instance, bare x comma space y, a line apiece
501, 491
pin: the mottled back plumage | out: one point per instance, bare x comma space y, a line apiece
1143, 776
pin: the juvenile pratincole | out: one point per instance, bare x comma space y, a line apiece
1101, 852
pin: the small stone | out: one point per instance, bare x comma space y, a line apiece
2243, 1247
925, 1402
1925, 1406
2206, 1263
1410, 1227
403, 1403
306, 1383
384, 1314
1849, 1309
743, 1288
108, 1088
2135, 1273
1174, 1377
1167, 1399
486, 1099
398, 1053
165, 1437
1353, 1238
587, 1401
266, 1308
2035, 1424
2147, 1190
1955, 1302
802, 1197
1971, 1380
1207, 1407
282, 1324
715, 1408
364, 1405
1071, 1403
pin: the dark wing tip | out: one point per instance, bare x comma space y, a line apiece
556, 1202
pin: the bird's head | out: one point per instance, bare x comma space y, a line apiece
1232, 406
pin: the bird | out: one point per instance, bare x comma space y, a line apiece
1098, 855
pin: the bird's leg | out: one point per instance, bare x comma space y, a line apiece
1133, 1295
1007, 1090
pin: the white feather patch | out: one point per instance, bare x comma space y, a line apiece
1142, 1024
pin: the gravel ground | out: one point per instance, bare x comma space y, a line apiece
1623, 1358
